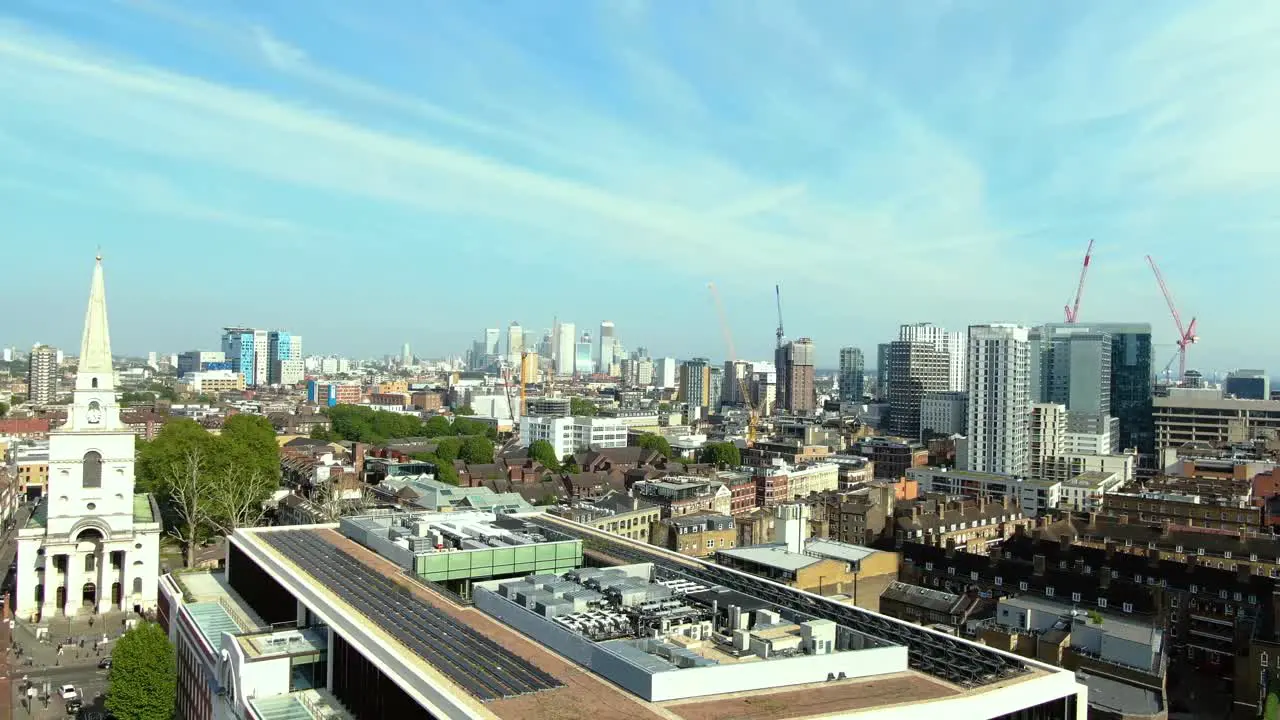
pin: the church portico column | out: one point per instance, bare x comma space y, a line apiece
52, 578
71, 603
107, 576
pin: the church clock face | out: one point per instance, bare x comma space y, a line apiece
94, 414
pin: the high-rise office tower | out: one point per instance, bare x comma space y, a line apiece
999, 387
605, 352
285, 365
582, 362
546, 348
248, 351
406, 355
695, 385
951, 343
515, 343
565, 351
782, 366
492, 337
716, 390
915, 368
797, 394
1129, 384
42, 375
882, 371
737, 378
851, 378
1071, 366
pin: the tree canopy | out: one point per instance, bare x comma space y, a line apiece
4, 409
143, 681
580, 406
653, 441
362, 424
570, 464
464, 410
210, 483
721, 454
542, 451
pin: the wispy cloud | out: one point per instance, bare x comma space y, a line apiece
960, 150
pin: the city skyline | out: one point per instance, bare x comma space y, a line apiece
219, 155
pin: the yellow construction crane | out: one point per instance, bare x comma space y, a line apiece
753, 416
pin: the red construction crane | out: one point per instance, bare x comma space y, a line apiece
1073, 310
1186, 335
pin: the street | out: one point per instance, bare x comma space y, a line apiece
41, 665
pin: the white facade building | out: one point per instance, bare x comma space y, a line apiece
944, 413
93, 545
951, 343
999, 386
569, 435
664, 372
1048, 435
1037, 497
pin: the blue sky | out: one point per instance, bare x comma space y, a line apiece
367, 174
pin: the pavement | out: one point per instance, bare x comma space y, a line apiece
68, 654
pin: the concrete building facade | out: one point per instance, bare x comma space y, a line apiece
999, 387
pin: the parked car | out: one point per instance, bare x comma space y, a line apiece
69, 692
74, 706
105, 663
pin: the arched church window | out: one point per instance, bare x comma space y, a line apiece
94, 383
92, 469
137, 586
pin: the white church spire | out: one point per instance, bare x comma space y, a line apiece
95, 347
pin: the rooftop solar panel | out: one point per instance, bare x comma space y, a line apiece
473, 661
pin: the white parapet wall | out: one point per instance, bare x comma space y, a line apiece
676, 684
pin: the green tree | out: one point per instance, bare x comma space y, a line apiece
721, 454
464, 410
542, 451
4, 409
1271, 710
570, 464
580, 406
249, 441
477, 450
653, 441
445, 472
437, 426
448, 447
143, 681
171, 446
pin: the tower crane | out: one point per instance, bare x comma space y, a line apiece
753, 416
1073, 310
777, 293
1186, 335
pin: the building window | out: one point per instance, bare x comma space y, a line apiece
999, 581
1102, 602
1022, 585
1048, 592
92, 477
1263, 659
94, 383
89, 563
1128, 607
137, 586
1075, 597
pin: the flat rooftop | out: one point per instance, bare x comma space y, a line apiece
562, 688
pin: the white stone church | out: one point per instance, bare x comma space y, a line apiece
92, 546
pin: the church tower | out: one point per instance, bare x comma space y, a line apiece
92, 545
